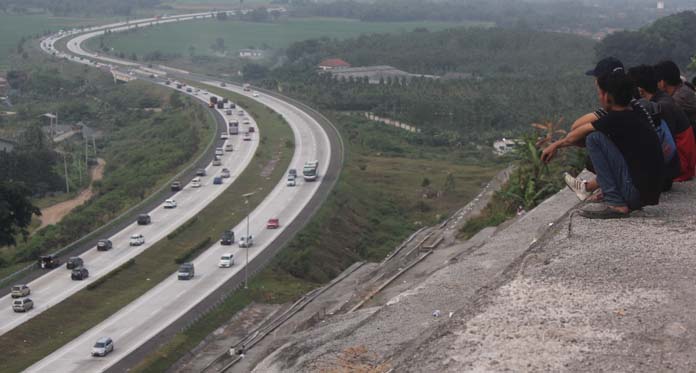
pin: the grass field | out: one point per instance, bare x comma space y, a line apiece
60, 324
14, 27
177, 38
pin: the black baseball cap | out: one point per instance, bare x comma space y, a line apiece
606, 66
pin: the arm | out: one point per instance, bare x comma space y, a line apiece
587, 118
577, 134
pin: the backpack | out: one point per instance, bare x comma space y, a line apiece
669, 147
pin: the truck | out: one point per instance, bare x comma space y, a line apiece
213, 101
309, 172
233, 127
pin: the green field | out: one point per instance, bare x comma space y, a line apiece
14, 27
177, 38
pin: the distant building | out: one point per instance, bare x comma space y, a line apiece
376, 74
251, 53
660, 5
504, 146
333, 64
4, 87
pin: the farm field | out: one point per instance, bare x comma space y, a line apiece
178, 38
14, 27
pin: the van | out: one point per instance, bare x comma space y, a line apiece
186, 271
144, 219
196, 182
102, 347
227, 237
19, 291
49, 262
22, 305
74, 262
246, 241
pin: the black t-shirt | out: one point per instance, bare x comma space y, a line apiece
640, 146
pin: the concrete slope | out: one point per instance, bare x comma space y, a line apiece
379, 336
615, 296
55, 286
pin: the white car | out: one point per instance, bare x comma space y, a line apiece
291, 182
137, 240
229, 148
219, 152
246, 241
103, 346
170, 204
255, 94
247, 137
240, 113
224, 135
226, 261
196, 182
225, 173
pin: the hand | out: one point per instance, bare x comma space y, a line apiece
548, 153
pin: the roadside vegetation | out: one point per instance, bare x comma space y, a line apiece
144, 134
60, 324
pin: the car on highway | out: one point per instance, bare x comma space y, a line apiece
200, 172
104, 245
102, 347
74, 262
22, 305
168, 82
227, 237
255, 94
170, 204
251, 130
247, 137
219, 152
291, 182
217, 162
226, 261
49, 262
217, 180
246, 122
240, 113
79, 274
273, 223
246, 241
225, 173
228, 112
136, 239
229, 148
196, 182
223, 84
176, 186
224, 135
19, 291
144, 219
292, 172
186, 271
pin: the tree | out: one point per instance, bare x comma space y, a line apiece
425, 183
255, 71
16, 211
449, 183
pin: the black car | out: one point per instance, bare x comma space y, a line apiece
144, 219
176, 186
186, 271
49, 262
227, 238
225, 100
79, 273
74, 262
200, 172
104, 245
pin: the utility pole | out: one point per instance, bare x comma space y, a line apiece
246, 239
65, 166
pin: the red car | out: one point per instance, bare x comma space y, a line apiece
273, 224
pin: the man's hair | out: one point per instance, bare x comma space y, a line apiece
619, 86
669, 72
644, 77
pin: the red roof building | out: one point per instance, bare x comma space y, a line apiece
333, 63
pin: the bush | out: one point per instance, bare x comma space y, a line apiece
193, 252
111, 274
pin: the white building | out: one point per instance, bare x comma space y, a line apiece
250, 53
504, 146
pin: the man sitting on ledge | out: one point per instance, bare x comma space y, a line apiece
624, 149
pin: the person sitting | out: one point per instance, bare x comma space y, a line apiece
669, 80
624, 149
646, 80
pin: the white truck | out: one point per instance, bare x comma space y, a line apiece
309, 172
233, 127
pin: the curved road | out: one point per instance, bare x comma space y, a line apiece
144, 318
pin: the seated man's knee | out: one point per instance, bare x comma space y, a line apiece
594, 139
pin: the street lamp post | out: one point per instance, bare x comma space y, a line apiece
246, 240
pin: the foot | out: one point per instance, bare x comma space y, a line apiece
578, 186
596, 197
604, 211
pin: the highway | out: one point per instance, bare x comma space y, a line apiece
56, 285
144, 318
